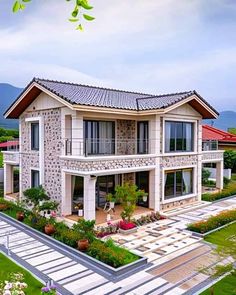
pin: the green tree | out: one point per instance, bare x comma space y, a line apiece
232, 130
128, 195
229, 159
205, 175
77, 15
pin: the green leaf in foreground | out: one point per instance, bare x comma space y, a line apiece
88, 17
16, 7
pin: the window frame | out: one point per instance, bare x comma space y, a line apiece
183, 195
183, 150
33, 172
144, 148
34, 147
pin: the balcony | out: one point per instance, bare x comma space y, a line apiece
105, 147
12, 157
209, 145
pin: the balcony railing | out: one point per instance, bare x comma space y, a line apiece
210, 145
103, 147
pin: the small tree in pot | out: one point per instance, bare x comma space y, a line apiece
128, 195
38, 200
86, 231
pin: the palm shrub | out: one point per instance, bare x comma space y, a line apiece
85, 229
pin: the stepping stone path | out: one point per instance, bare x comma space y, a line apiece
174, 254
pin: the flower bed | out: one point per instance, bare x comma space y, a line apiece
213, 222
230, 190
107, 252
113, 228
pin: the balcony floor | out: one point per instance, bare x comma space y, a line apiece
101, 215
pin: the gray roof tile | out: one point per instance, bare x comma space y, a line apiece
112, 98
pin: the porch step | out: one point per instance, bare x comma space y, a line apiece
185, 209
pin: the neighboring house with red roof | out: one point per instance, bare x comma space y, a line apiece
9, 145
217, 138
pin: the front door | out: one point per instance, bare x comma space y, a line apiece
142, 182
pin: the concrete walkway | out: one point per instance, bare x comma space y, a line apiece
175, 256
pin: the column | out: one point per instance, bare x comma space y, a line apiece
154, 135
220, 175
8, 179
154, 189
66, 201
90, 197
77, 134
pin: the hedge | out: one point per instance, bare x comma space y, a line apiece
213, 222
227, 192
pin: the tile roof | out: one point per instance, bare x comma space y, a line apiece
212, 133
110, 98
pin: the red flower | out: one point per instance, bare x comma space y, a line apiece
126, 225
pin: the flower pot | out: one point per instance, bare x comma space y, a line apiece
83, 244
20, 216
112, 205
80, 212
145, 199
49, 229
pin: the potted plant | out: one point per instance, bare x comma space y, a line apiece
49, 228
86, 233
20, 216
128, 195
38, 200
145, 197
111, 199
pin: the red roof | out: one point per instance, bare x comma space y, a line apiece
212, 133
9, 144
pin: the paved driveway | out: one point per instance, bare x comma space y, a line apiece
174, 253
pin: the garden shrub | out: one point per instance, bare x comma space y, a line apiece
111, 254
230, 190
213, 222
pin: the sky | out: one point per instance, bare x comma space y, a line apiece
154, 46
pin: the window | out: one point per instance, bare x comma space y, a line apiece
35, 178
178, 137
35, 136
142, 137
99, 137
178, 183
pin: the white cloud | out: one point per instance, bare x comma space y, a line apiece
155, 45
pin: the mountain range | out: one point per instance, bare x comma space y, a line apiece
9, 93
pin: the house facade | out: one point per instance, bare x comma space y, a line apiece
79, 142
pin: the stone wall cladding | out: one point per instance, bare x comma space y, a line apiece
213, 156
175, 204
106, 164
52, 151
178, 161
126, 137
129, 177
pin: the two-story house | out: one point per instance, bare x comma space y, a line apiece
79, 142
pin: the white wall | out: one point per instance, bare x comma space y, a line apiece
227, 173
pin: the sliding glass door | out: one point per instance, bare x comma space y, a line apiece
99, 137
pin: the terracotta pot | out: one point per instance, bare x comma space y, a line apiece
3, 207
49, 229
83, 244
20, 216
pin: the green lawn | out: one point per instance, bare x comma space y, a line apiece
226, 286
225, 239
7, 267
